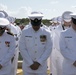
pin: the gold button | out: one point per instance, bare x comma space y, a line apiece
35, 44
35, 37
35, 51
66, 47
35, 58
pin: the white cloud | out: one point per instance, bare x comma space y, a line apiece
74, 6
54, 2
3, 7
22, 12
50, 13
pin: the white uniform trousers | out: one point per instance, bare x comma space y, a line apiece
48, 63
6, 70
15, 62
68, 74
57, 60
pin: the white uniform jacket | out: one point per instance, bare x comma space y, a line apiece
56, 57
7, 49
68, 50
35, 46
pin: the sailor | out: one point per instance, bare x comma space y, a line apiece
35, 46
57, 58
16, 32
68, 48
7, 48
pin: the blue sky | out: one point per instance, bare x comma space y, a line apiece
50, 8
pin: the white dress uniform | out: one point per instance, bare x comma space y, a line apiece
17, 32
68, 50
48, 60
7, 50
15, 61
34, 48
56, 57
13, 29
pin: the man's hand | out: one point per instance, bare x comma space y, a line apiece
0, 66
35, 66
32, 67
74, 63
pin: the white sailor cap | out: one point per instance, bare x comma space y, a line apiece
4, 22
11, 19
34, 15
54, 19
2, 15
59, 19
73, 15
66, 16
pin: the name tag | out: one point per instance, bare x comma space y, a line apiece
68, 37
29, 36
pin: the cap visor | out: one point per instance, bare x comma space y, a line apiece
67, 20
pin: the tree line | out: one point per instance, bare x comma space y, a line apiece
25, 21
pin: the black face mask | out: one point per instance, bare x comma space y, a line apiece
2, 30
36, 22
74, 21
